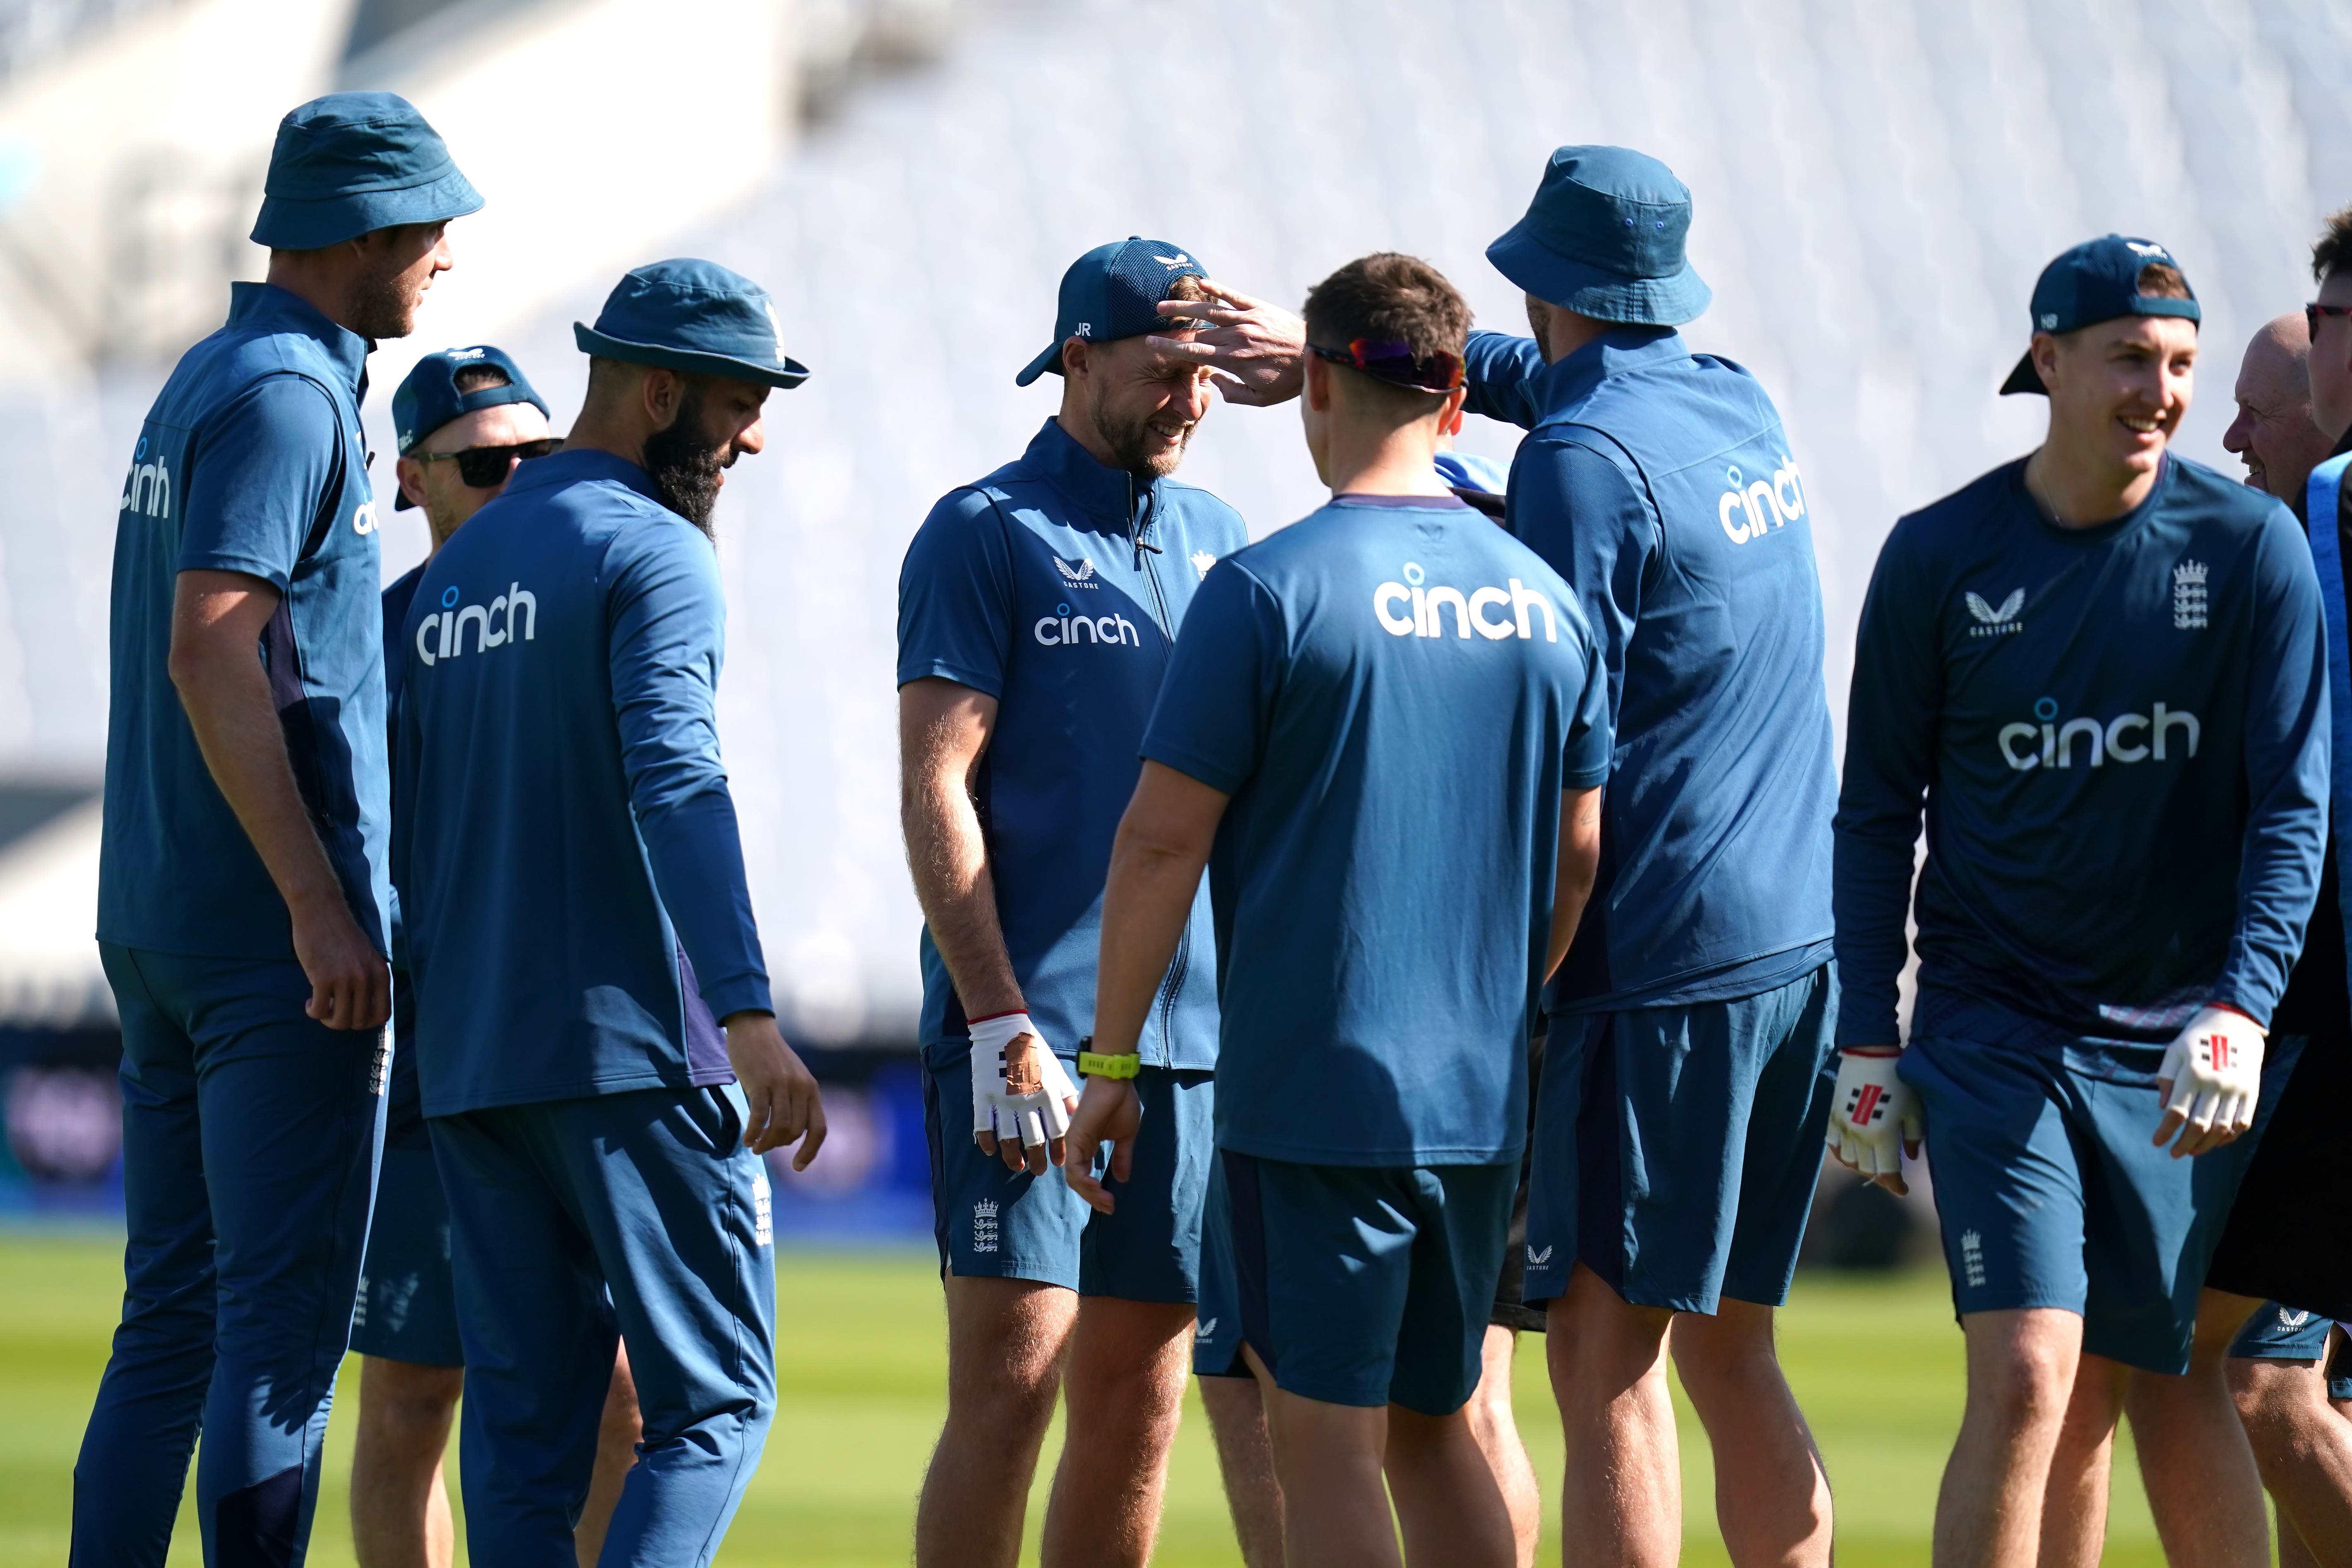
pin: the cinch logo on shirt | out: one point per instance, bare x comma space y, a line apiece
148, 491
1429, 603
444, 635
1765, 503
1063, 629
2127, 738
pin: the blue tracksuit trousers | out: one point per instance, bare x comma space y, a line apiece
250, 1136
652, 1195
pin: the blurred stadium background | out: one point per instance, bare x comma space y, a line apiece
1878, 180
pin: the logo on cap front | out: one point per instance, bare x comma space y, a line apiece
2151, 251
1179, 259
2049, 321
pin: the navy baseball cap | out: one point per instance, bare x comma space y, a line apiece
1604, 237
696, 317
2099, 280
1113, 291
353, 161
427, 398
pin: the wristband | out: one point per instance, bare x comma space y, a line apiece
1094, 1064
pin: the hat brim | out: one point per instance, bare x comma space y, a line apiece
286, 224
785, 374
2025, 378
1594, 291
1051, 360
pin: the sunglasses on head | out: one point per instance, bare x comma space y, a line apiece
483, 466
1393, 361
2311, 314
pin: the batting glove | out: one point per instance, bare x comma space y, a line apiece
1029, 1119
2211, 1077
1873, 1115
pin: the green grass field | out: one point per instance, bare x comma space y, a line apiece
1875, 1362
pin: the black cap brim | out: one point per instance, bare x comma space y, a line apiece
2025, 378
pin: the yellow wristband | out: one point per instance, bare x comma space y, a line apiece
1093, 1064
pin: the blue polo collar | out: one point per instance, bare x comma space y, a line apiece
1090, 486
265, 307
582, 466
1613, 353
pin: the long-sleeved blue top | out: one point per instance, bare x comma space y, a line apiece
561, 823
1659, 483
2120, 734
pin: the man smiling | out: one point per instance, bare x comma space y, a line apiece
2101, 668
1037, 611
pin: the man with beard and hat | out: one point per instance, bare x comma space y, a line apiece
1037, 610
241, 888
573, 903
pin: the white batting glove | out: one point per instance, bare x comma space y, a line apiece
2211, 1077
1874, 1116
1023, 1119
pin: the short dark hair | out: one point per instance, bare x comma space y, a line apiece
475, 377
2331, 251
2162, 280
1388, 297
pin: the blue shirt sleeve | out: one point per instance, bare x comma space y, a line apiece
1576, 506
262, 465
1210, 722
1584, 762
667, 617
2286, 772
956, 596
1503, 375
1890, 750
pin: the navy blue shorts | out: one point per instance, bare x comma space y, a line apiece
2051, 1191
407, 1308
1677, 1149
2281, 1332
1363, 1285
997, 1223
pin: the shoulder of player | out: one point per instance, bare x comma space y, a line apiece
2217, 499
1205, 515
1956, 518
403, 588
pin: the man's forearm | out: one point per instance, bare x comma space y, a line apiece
948, 857
226, 695
1147, 899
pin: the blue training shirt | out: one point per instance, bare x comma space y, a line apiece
250, 461
564, 836
1394, 692
1055, 586
1659, 483
2120, 734
403, 1125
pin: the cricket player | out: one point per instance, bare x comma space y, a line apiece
572, 898
1386, 726
2101, 669
464, 419
241, 882
1036, 609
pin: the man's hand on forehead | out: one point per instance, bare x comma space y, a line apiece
1251, 348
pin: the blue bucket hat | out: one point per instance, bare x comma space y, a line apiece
427, 398
1113, 291
353, 161
2099, 280
696, 317
1604, 237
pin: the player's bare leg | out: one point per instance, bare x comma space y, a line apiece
1771, 1491
1245, 1459
1451, 1509
1124, 1386
1497, 1434
2303, 1446
400, 1506
1623, 1496
1006, 1338
616, 1451
2202, 1485
2082, 1467
2022, 1365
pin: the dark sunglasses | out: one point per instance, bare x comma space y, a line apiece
2311, 314
483, 466
1393, 362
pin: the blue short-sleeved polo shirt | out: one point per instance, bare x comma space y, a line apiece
1057, 585
251, 460
562, 834
1394, 692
